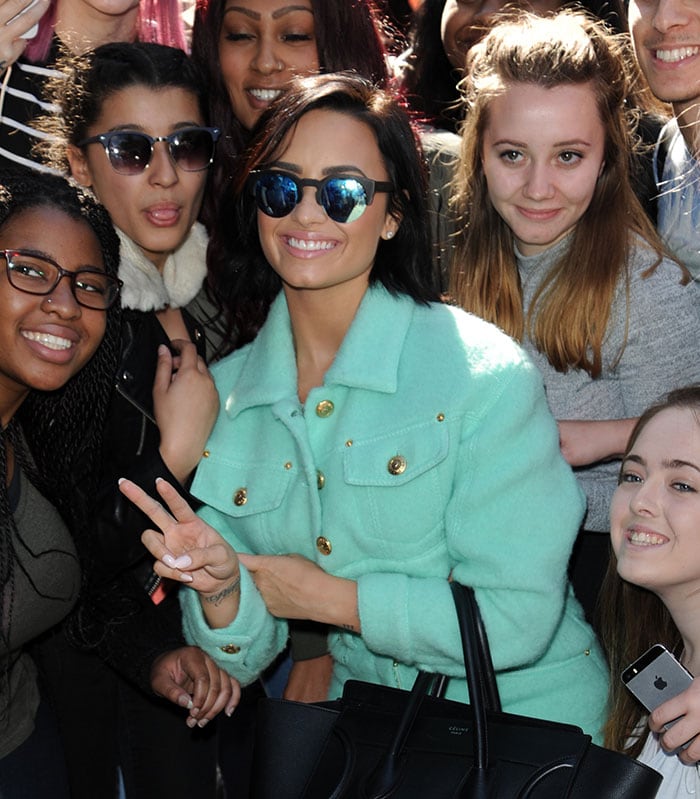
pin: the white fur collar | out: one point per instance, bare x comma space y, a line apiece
146, 289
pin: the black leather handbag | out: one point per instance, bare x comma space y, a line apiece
383, 743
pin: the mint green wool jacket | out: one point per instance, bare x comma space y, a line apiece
429, 451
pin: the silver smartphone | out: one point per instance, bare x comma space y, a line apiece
655, 677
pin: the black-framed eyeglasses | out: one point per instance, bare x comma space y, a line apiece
36, 274
131, 151
343, 198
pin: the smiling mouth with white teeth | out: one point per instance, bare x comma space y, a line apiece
49, 341
644, 538
676, 54
305, 244
265, 95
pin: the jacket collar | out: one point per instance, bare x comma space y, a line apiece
146, 289
368, 357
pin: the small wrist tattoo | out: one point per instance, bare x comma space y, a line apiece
217, 599
349, 627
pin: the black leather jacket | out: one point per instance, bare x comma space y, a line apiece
117, 617
131, 440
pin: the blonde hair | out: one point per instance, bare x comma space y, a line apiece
569, 314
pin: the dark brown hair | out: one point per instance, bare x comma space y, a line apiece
348, 37
632, 619
245, 281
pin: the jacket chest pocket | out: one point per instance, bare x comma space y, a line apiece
248, 493
401, 484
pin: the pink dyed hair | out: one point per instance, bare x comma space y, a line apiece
159, 21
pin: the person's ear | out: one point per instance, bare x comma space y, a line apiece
391, 226
79, 167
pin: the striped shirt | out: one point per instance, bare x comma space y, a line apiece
21, 101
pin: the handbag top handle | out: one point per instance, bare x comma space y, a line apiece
481, 678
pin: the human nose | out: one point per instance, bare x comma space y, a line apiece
308, 211
538, 185
267, 60
161, 168
670, 14
61, 300
645, 498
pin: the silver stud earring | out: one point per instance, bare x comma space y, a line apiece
390, 234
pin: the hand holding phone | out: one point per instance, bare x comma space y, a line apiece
656, 677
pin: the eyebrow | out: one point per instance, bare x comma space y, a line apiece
674, 463
128, 127
48, 257
677, 464
571, 143
280, 12
341, 169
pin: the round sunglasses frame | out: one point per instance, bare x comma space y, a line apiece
369, 186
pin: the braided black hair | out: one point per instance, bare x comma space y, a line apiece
56, 435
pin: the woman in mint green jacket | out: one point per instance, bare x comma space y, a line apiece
373, 442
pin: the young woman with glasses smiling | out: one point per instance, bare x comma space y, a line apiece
373, 443
59, 339
133, 129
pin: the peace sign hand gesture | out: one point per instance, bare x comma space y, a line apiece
189, 550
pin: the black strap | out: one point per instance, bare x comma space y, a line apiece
465, 602
479, 668
483, 695
382, 781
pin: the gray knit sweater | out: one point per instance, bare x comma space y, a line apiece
661, 353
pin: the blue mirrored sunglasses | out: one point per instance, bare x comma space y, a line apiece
344, 199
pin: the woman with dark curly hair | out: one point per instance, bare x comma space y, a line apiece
59, 344
132, 127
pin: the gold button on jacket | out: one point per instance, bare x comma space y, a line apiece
396, 465
324, 408
323, 545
